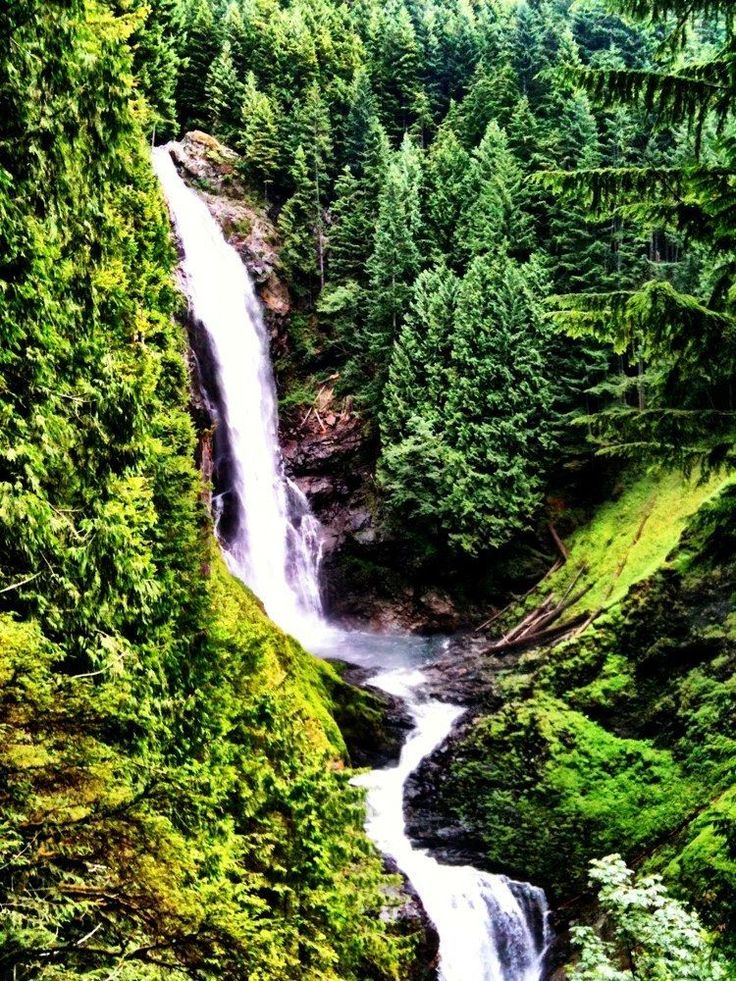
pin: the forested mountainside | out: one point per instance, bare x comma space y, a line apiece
507, 234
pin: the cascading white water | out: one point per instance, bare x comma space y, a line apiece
272, 547
491, 929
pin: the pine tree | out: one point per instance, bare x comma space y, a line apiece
418, 373
492, 95
494, 218
298, 226
361, 120
416, 465
157, 63
395, 67
259, 140
239, 32
395, 261
200, 48
350, 230
313, 133
499, 404
447, 178
224, 96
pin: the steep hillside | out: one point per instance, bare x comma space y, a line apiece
173, 799
619, 736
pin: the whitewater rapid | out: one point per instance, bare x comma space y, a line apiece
490, 929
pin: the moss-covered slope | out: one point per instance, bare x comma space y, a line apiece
172, 796
621, 738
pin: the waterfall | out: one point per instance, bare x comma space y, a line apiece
272, 544
490, 928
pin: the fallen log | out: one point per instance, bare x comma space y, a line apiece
547, 636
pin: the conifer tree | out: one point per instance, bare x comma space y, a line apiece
447, 179
361, 121
313, 133
395, 66
224, 95
157, 64
416, 464
494, 217
259, 140
395, 261
493, 94
298, 227
239, 33
418, 372
350, 229
499, 404
200, 48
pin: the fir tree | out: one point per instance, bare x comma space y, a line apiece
416, 465
200, 48
224, 95
499, 404
395, 261
447, 178
313, 134
157, 63
259, 140
395, 64
350, 229
361, 121
494, 217
298, 227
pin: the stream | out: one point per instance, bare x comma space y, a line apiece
490, 927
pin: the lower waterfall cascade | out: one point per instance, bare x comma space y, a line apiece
490, 927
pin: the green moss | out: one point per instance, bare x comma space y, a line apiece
621, 738
628, 539
548, 789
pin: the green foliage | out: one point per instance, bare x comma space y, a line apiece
653, 936
224, 94
259, 138
546, 788
172, 795
299, 224
466, 423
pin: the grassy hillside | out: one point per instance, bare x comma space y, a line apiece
620, 738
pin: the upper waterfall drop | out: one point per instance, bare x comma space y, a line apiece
273, 545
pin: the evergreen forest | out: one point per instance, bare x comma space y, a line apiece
505, 232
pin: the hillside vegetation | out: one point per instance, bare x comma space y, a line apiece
620, 738
172, 797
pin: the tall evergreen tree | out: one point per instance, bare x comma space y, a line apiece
157, 64
494, 217
416, 466
499, 404
448, 180
259, 140
395, 67
200, 48
298, 224
395, 261
224, 94
312, 133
